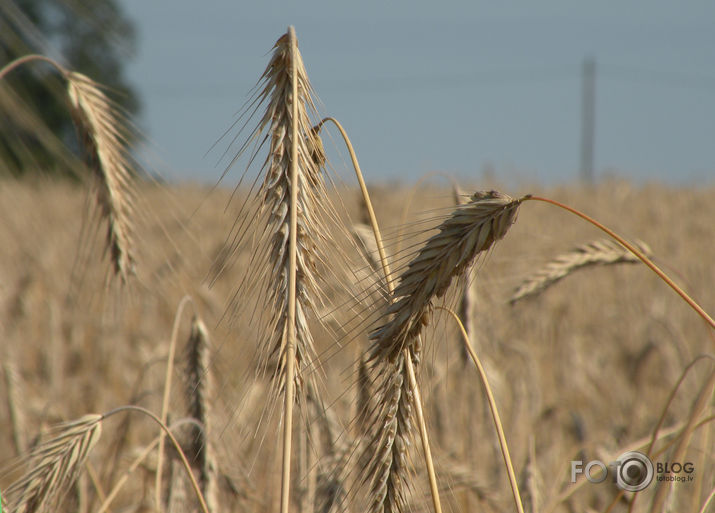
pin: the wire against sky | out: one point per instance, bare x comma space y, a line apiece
484, 78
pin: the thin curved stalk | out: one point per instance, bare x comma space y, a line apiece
699, 405
495, 412
423, 434
661, 420
166, 396
165, 430
94, 479
636, 252
681, 430
368, 203
28, 58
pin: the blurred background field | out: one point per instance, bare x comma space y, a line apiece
580, 372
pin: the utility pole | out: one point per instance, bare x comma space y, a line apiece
588, 117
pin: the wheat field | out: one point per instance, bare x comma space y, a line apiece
178, 348
579, 372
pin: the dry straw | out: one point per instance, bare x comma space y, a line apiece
598, 252
643, 258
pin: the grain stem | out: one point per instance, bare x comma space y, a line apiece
29, 58
167, 394
368, 203
292, 248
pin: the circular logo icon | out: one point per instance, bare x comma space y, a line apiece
634, 471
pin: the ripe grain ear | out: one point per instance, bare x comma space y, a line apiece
103, 135
598, 252
471, 229
396, 345
284, 230
54, 466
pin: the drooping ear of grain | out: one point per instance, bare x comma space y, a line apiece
471, 229
53, 466
597, 252
103, 134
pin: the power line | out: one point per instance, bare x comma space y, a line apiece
477, 78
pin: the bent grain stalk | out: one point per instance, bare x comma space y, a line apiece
504, 447
409, 354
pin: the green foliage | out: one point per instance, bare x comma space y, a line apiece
94, 38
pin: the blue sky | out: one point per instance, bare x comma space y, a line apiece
457, 87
